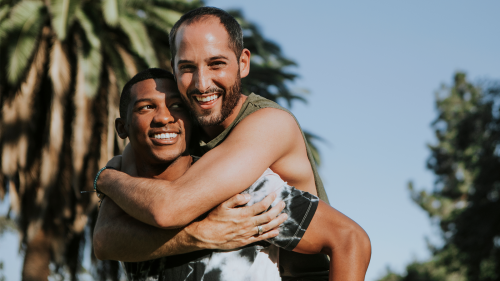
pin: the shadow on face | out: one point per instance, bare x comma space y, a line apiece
157, 122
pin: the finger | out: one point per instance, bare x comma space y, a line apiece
268, 235
263, 205
275, 223
237, 200
269, 215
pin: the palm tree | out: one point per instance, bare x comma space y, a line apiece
62, 65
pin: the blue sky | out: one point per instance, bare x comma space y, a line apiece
372, 68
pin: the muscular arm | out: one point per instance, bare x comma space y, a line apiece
118, 236
253, 146
345, 242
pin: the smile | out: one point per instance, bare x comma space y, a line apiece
207, 98
165, 136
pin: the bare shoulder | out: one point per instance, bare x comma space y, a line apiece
273, 119
278, 131
115, 162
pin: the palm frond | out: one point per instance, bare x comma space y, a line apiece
89, 55
162, 17
139, 39
23, 29
62, 14
4, 12
110, 11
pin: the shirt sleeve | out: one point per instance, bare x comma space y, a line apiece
299, 205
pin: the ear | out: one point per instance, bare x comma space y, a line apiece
244, 63
121, 129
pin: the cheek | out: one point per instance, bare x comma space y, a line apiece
184, 81
227, 76
138, 127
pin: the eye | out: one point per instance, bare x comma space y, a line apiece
217, 64
178, 105
148, 106
186, 67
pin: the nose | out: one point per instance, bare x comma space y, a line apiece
163, 117
202, 80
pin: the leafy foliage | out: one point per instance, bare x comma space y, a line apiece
465, 200
62, 65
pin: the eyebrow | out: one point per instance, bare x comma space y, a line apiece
141, 100
209, 59
168, 96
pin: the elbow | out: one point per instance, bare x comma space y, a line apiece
363, 243
356, 243
98, 243
165, 220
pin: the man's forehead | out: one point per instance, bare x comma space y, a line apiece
202, 33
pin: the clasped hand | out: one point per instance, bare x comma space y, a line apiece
230, 226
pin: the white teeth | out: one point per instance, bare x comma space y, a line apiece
165, 136
208, 98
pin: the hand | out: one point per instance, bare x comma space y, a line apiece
229, 227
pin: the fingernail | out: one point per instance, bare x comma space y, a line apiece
247, 196
283, 204
286, 216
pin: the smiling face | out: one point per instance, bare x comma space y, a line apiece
157, 124
208, 71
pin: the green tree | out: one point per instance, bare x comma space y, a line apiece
62, 65
465, 199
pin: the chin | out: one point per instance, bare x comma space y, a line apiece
165, 158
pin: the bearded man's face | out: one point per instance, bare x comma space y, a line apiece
207, 71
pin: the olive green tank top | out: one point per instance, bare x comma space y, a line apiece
253, 103
293, 266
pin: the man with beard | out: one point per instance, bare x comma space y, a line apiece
154, 107
242, 137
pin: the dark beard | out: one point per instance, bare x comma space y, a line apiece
230, 98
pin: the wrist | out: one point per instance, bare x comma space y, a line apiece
193, 238
101, 180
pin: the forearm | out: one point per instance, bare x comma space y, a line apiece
133, 195
118, 236
221, 173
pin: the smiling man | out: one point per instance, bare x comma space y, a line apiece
242, 137
155, 121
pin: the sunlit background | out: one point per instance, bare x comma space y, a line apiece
372, 69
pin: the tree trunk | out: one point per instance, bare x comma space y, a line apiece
37, 258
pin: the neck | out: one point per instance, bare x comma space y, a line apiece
166, 171
213, 131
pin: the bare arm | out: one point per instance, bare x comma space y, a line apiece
345, 242
253, 146
118, 236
